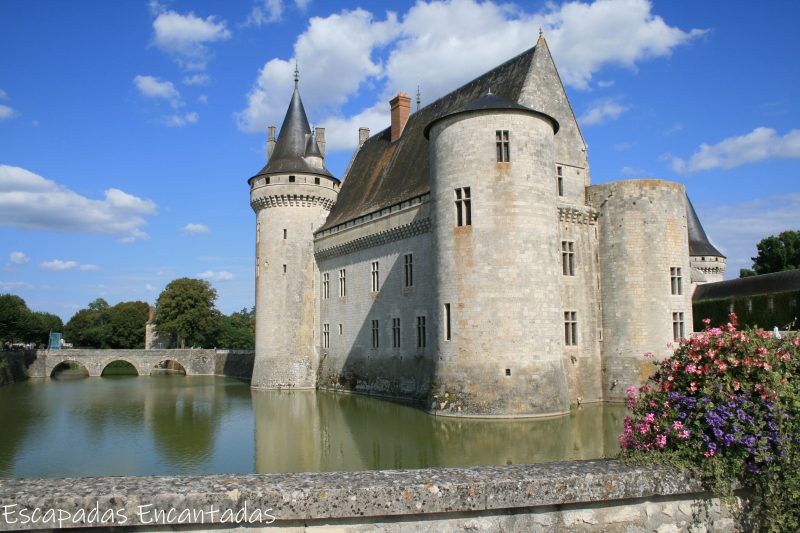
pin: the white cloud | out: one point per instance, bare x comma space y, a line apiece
212, 275
602, 112
758, 145
197, 79
604, 84
6, 112
195, 229
19, 258
633, 171
29, 201
149, 288
9, 286
737, 228
264, 12
423, 50
152, 87
58, 264
186, 37
302, 5
182, 120
203, 99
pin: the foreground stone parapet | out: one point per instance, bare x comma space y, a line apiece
570, 496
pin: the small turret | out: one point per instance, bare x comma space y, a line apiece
708, 264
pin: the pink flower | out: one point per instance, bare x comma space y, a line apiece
631, 391
691, 369
684, 434
649, 417
648, 354
677, 425
661, 441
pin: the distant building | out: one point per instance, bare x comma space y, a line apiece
465, 261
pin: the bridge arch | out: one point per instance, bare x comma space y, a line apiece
171, 363
106, 362
51, 367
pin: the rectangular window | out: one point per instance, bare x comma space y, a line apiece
316, 181
570, 328
678, 331
284, 233
560, 180
375, 334
408, 259
395, 333
503, 151
447, 322
342, 283
326, 285
375, 277
326, 335
568, 258
422, 337
340, 329
291, 179
463, 207
676, 280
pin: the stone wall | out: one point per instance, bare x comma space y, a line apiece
581, 496
14, 366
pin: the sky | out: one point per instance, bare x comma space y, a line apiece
128, 129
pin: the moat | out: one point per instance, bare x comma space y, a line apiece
177, 425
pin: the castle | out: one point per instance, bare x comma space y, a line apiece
465, 262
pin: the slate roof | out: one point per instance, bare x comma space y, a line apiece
788, 280
295, 142
384, 173
699, 244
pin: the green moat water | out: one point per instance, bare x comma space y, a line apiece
164, 425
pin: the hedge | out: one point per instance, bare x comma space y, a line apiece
752, 310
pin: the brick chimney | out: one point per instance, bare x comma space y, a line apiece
401, 107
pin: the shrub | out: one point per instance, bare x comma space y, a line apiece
727, 405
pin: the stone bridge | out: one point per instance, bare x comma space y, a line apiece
194, 361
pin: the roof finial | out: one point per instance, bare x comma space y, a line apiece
490, 90
418, 98
296, 74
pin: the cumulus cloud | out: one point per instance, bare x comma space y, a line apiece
195, 229
212, 275
19, 258
604, 111
758, 145
422, 50
6, 112
266, 11
58, 265
186, 37
152, 87
197, 79
29, 201
178, 120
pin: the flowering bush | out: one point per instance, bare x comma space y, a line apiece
727, 403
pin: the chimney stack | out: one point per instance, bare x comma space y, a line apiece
401, 107
319, 133
363, 135
270, 141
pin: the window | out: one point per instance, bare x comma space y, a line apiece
267, 181
316, 181
342, 283
408, 259
326, 285
340, 329
291, 179
463, 207
570, 328
284, 269
503, 153
375, 334
676, 280
678, 331
422, 337
395, 333
284, 233
375, 277
568, 258
508, 372
447, 322
560, 180
326, 335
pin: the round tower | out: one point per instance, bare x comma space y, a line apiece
291, 196
498, 301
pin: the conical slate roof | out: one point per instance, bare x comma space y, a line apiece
295, 143
699, 244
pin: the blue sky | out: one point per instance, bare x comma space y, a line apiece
128, 129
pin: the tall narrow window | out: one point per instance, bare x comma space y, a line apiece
676, 280
284, 233
408, 259
570, 328
342, 282
678, 330
326, 335
375, 334
422, 338
395, 333
503, 151
447, 322
340, 329
560, 180
326, 285
463, 207
568, 258
375, 277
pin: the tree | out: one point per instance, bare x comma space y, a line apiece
15, 319
126, 325
776, 254
90, 327
42, 325
238, 330
185, 311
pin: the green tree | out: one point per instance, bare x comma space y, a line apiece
126, 325
239, 330
42, 325
90, 327
776, 253
185, 311
15, 319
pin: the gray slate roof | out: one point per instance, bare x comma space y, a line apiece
788, 280
699, 245
295, 142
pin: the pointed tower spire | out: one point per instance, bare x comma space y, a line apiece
418, 98
296, 75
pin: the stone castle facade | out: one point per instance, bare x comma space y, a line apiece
465, 261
